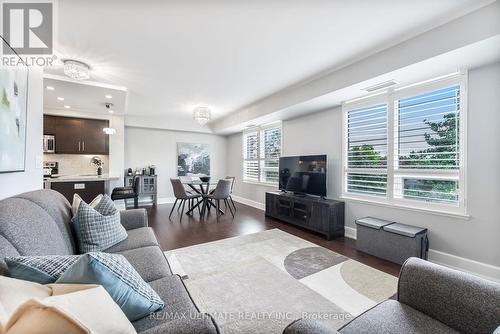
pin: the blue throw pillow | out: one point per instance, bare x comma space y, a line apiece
117, 276
99, 228
40, 269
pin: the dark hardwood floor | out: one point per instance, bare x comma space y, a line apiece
190, 230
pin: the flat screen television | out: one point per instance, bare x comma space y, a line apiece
305, 174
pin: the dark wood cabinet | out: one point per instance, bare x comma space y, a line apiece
94, 140
324, 216
49, 125
87, 190
77, 135
68, 135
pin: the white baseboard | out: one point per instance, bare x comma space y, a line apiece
481, 269
350, 232
249, 202
120, 204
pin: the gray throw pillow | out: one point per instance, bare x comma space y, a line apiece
43, 269
98, 228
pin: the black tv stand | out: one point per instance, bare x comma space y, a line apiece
325, 216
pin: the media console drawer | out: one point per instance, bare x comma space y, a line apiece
324, 216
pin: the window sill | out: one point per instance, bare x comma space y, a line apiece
265, 184
433, 211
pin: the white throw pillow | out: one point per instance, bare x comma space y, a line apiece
27, 307
77, 199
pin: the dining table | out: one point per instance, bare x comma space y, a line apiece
202, 188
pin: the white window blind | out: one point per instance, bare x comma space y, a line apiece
367, 150
261, 153
251, 156
406, 148
429, 146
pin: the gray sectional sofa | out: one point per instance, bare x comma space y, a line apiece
431, 299
37, 223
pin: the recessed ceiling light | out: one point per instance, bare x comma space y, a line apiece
66, 106
60, 98
110, 111
108, 96
50, 88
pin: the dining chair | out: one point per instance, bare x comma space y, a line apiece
233, 179
182, 196
221, 192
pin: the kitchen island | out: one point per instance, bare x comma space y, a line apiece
87, 186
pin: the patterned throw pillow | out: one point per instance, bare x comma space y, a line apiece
40, 269
98, 228
134, 296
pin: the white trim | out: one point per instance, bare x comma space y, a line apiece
481, 269
265, 184
120, 204
383, 202
350, 232
165, 200
249, 202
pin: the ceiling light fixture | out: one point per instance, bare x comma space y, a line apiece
76, 70
60, 98
50, 88
66, 106
108, 96
201, 115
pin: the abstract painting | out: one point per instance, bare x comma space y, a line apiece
13, 103
193, 159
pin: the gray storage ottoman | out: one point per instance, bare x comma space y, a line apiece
391, 241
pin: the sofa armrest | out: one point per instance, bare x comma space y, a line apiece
132, 219
462, 301
306, 326
200, 325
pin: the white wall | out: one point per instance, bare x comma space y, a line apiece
474, 239
32, 177
144, 147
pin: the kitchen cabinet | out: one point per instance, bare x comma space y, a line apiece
68, 135
78, 135
49, 125
93, 138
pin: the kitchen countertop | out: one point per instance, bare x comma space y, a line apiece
81, 178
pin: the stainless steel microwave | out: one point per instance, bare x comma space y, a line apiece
49, 144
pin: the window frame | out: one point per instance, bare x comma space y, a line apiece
259, 130
391, 98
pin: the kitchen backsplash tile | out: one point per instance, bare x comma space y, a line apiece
77, 164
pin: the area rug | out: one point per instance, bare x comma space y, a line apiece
259, 283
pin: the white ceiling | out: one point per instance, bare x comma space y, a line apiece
175, 55
81, 97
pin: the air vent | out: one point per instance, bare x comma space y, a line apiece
381, 85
